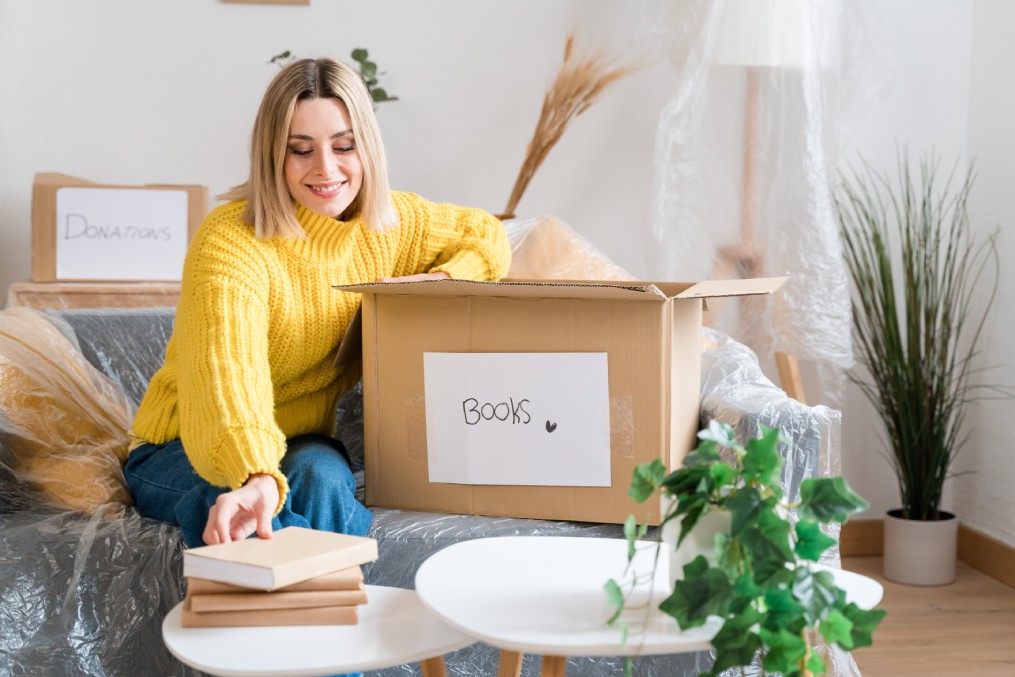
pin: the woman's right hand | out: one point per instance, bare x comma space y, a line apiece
238, 513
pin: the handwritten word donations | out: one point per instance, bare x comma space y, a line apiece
77, 226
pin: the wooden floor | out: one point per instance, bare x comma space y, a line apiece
965, 629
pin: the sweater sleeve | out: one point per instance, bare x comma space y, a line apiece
225, 392
465, 243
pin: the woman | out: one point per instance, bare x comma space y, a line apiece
233, 434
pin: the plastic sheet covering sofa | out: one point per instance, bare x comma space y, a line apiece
85, 594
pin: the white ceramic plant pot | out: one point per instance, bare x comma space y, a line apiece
701, 540
920, 552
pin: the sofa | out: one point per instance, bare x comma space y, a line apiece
85, 581
83, 591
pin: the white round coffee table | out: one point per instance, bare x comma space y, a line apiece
544, 595
393, 629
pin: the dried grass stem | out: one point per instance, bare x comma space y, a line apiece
580, 82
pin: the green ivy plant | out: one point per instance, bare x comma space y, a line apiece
762, 586
368, 72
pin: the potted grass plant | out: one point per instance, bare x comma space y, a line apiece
756, 569
918, 314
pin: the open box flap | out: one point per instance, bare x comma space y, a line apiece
719, 288
580, 289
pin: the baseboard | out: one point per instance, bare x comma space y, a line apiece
861, 538
987, 554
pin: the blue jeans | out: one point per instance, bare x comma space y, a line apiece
322, 489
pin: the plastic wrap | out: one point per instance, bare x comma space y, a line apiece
86, 594
747, 150
546, 248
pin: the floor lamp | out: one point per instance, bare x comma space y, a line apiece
755, 36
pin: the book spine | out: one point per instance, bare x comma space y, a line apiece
336, 615
274, 600
347, 579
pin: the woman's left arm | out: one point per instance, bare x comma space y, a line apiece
460, 242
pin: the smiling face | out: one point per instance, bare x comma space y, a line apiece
323, 169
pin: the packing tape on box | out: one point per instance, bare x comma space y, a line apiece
622, 426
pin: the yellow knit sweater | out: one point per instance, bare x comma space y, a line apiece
251, 359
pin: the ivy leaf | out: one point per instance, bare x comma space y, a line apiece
837, 629
736, 643
828, 499
745, 586
646, 480
696, 567
696, 509
720, 433
614, 600
768, 544
745, 507
723, 474
631, 533
762, 460
704, 592
688, 481
784, 612
811, 541
705, 454
816, 664
785, 649
864, 623
816, 591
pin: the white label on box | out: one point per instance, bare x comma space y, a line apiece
120, 233
518, 418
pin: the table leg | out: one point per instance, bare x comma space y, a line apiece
554, 666
434, 667
510, 664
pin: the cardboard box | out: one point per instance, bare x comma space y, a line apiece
88, 232
649, 332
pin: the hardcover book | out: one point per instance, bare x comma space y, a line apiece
322, 615
275, 600
292, 555
343, 579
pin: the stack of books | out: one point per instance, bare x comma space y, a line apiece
298, 577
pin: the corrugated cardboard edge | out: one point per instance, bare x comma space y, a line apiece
44, 188
638, 291
513, 288
721, 288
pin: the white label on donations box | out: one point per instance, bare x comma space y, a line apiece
120, 233
535, 419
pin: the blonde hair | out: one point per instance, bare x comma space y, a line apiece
269, 205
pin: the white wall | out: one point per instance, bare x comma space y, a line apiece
129, 91
926, 46
953, 94
984, 498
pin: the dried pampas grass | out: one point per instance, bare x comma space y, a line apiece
579, 83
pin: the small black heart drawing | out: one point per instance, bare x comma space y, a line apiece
550, 427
